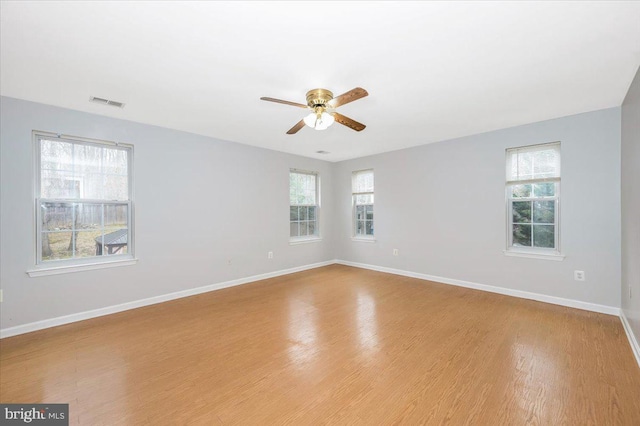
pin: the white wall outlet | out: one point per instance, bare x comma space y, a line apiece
578, 275
270, 255
395, 252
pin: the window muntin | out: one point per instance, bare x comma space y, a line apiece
363, 194
83, 200
533, 198
303, 204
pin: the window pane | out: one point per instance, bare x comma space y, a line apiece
544, 189
302, 188
364, 199
59, 184
98, 186
115, 162
545, 163
312, 228
57, 216
521, 211
362, 181
360, 228
56, 155
115, 187
534, 162
77, 216
293, 229
521, 166
360, 210
521, 191
115, 216
544, 211
304, 229
312, 213
92, 224
78, 170
544, 236
56, 245
369, 212
522, 235
86, 245
87, 159
93, 186
88, 216
369, 227
113, 241
293, 213
303, 213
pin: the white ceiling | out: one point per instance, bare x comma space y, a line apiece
434, 71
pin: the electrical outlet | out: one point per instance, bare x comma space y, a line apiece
578, 275
395, 252
270, 255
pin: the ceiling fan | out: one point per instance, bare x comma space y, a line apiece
322, 104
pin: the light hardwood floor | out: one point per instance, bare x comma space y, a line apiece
334, 345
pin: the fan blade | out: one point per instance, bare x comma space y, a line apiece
299, 125
280, 101
346, 121
350, 96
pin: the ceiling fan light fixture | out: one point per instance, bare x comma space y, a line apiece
319, 120
324, 121
310, 120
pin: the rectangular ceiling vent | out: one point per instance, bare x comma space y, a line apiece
104, 101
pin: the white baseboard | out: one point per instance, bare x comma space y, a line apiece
635, 347
53, 322
611, 310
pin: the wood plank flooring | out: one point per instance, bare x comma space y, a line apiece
334, 345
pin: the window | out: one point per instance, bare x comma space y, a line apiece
83, 200
533, 197
303, 205
362, 189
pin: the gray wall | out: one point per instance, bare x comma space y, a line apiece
443, 206
631, 206
199, 202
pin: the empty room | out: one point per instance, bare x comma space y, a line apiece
305, 213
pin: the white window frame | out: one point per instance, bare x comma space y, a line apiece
52, 267
317, 236
354, 221
533, 252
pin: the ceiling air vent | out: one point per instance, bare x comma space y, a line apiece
104, 101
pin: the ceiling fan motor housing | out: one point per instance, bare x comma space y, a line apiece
318, 97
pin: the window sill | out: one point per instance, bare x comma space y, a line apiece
304, 241
67, 269
364, 239
532, 255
